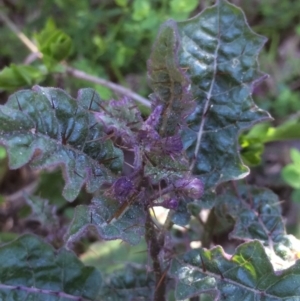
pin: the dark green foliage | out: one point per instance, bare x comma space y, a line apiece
220, 51
185, 156
47, 127
246, 275
32, 269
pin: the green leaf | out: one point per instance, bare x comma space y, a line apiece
291, 175
295, 156
134, 282
46, 127
246, 275
2, 153
109, 256
219, 52
252, 144
168, 81
141, 10
42, 211
287, 131
100, 215
182, 6
122, 3
32, 270
53, 43
17, 76
256, 212
181, 215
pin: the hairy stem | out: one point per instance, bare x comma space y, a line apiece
154, 247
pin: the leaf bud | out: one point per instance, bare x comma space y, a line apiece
171, 204
122, 189
192, 187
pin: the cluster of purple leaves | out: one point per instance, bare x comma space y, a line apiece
145, 148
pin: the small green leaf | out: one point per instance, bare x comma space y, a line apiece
42, 211
100, 216
32, 270
252, 144
122, 3
54, 44
17, 76
291, 172
182, 6
291, 175
287, 131
246, 275
141, 9
109, 256
295, 156
2, 153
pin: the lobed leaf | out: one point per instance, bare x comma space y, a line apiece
32, 270
132, 283
100, 215
246, 275
219, 51
42, 211
255, 211
46, 127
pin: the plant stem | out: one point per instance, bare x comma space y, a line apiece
208, 229
100, 81
72, 71
154, 247
29, 44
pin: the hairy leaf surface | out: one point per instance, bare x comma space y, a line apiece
256, 213
219, 51
129, 226
132, 283
42, 211
168, 81
121, 117
32, 270
246, 275
46, 127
